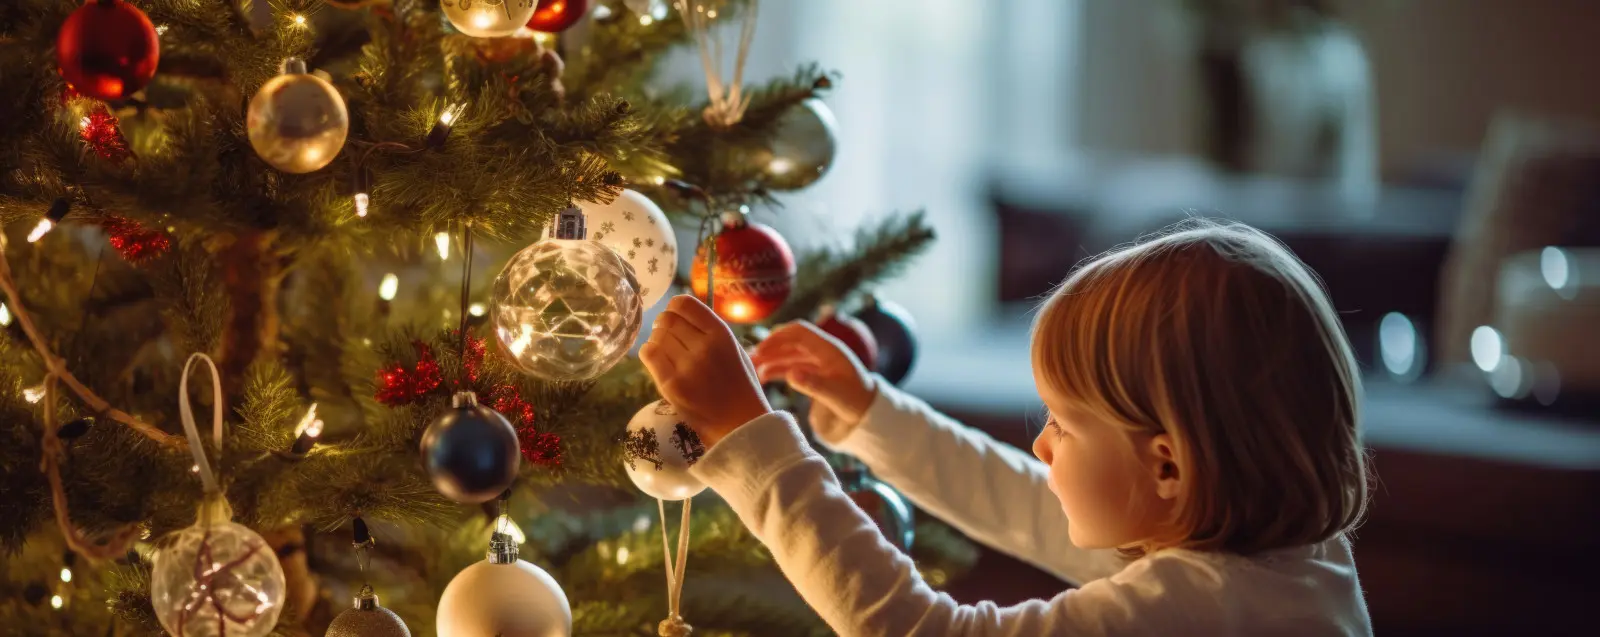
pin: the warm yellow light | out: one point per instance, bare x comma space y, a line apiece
441, 242
55, 602
33, 394
389, 287
646, 20
476, 309
622, 555
780, 166
712, 14
161, 29
40, 230
66, 574
739, 310
362, 201
309, 425
299, 20
483, 19
83, 123
5, 315
312, 154
450, 114
660, 180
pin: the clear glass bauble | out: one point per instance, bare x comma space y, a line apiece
658, 452
567, 309
297, 122
488, 18
217, 579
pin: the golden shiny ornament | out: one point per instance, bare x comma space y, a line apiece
297, 122
488, 18
803, 147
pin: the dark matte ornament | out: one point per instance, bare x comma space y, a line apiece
471, 451
896, 333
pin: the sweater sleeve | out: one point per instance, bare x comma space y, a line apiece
860, 584
991, 491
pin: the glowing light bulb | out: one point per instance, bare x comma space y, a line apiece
739, 310
622, 555
660, 180
83, 123
310, 425
1487, 348
601, 12
55, 602
40, 230
451, 113
646, 20
780, 166
712, 14
441, 242
33, 394
5, 315
641, 524
1397, 342
161, 29
477, 309
299, 20
362, 201
389, 287
66, 574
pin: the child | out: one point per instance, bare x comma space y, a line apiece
1201, 440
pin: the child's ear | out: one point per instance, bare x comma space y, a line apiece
1163, 462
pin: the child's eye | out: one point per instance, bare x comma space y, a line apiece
1051, 423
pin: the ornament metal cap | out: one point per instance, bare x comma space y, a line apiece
570, 224
366, 599
294, 65
735, 218
464, 400
502, 549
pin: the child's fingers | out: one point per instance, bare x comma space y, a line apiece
798, 334
670, 321
783, 353
696, 313
657, 361
787, 372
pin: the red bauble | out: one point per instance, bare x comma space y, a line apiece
854, 334
755, 272
554, 16
107, 49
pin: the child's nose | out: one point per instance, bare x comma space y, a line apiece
1041, 447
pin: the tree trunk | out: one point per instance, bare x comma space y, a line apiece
252, 274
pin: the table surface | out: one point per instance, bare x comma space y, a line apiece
988, 373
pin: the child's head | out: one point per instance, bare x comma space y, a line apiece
1203, 395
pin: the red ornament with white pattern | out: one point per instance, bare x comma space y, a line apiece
754, 273
107, 49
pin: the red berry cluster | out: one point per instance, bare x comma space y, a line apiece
134, 242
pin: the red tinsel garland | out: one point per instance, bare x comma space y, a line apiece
400, 386
100, 131
135, 243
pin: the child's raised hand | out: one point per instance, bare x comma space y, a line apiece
822, 368
701, 369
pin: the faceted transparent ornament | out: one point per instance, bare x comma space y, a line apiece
567, 309
217, 579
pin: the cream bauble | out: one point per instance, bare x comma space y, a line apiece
503, 596
488, 18
297, 122
659, 449
635, 228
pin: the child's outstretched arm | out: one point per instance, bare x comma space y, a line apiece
993, 492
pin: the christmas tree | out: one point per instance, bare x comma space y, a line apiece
317, 195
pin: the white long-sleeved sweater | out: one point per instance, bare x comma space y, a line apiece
840, 563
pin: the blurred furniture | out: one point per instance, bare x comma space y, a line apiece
1483, 521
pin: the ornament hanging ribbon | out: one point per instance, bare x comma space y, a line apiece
728, 100
674, 625
186, 413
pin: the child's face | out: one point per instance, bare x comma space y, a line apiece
1107, 479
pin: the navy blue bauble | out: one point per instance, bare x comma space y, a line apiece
891, 325
471, 451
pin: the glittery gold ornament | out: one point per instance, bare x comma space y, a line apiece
368, 619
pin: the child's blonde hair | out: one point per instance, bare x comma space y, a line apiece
1214, 333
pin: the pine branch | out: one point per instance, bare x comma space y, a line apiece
830, 274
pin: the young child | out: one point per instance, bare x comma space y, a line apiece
1198, 471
